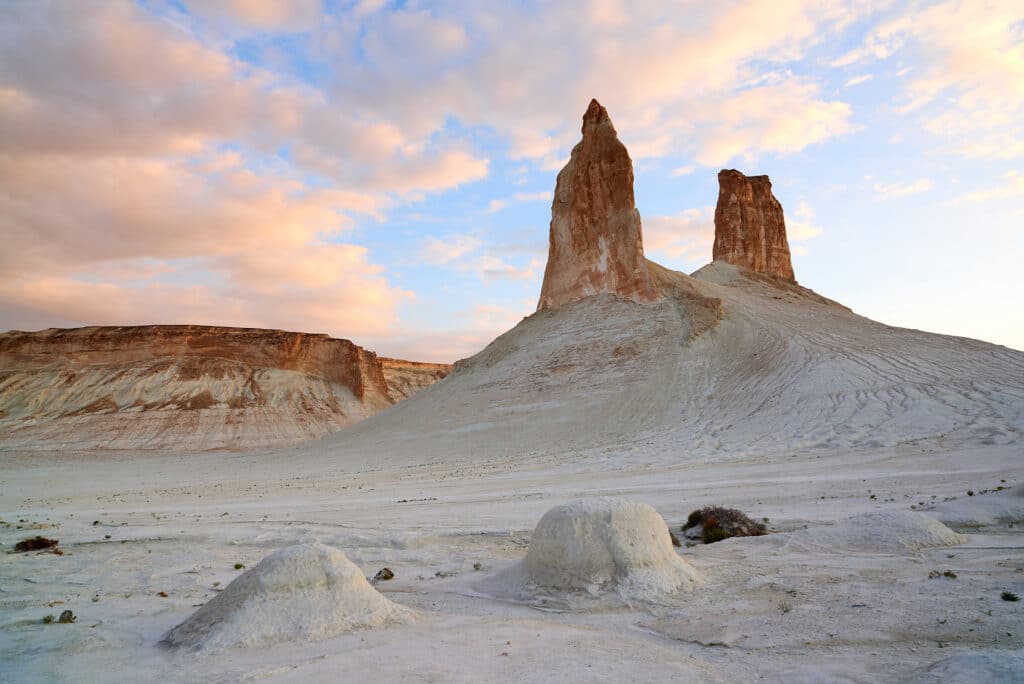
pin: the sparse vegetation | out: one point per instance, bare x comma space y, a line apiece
970, 492
35, 544
48, 619
239, 566
1009, 596
935, 574
719, 523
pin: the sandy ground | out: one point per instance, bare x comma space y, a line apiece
179, 525
791, 409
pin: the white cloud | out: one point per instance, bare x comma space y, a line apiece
439, 251
884, 191
800, 226
857, 80
683, 170
1013, 186
687, 235
968, 80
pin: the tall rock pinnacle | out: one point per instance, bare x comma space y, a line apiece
750, 230
596, 244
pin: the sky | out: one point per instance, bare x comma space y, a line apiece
383, 171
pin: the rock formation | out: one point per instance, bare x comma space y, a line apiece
596, 244
406, 378
750, 230
190, 386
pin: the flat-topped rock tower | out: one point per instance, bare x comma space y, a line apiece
750, 230
596, 244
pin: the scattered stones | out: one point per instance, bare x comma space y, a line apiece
383, 575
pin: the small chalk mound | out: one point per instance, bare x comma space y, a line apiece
600, 545
878, 532
1005, 507
303, 592
979, 667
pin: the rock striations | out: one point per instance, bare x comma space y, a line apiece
190, 387
750, 230
596, 244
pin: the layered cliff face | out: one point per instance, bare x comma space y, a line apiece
406, 378
750, 230
595, 242
187, 387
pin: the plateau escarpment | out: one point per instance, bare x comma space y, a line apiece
189, 387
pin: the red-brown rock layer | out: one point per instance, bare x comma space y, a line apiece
750, 230
595, 244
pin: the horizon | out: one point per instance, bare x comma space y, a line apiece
382, 172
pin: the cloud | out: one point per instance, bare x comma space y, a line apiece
800, 227
884, 191
490, 268
857, 80
496, 205
1012, 187
439, 251
968, 83
92, 241
683, 170
539, 196
686, 236
277, 17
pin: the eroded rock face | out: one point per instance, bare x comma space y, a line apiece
596, 244
406, 378
750, 230
189, 387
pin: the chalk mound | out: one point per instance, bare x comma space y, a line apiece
602, 545
303, 592
985, 510
980, 667
878, 532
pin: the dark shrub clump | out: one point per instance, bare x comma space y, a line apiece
35, 544
719, 523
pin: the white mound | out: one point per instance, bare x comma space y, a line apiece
599, 545
982, 667
303, 592
985, 510
879, 532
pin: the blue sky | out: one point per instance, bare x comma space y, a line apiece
383, 171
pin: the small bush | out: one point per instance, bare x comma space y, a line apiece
35, 544
239, 566
50, 618
719, 523
1009, 596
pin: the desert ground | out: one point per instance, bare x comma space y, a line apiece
790, 408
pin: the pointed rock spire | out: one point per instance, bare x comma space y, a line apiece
750, 230
596, 244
